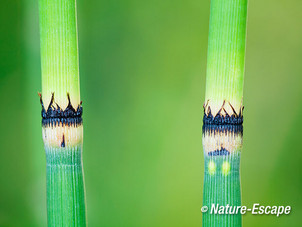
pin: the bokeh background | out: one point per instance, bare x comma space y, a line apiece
142, 68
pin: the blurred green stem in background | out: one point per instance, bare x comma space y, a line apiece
222, 123
62, 113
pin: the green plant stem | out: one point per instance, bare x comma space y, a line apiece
226, 52
62, 135
65, 187
59, 51
222, 129
223, 189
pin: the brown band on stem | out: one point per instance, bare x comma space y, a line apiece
222, 140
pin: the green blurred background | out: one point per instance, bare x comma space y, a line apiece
142, 67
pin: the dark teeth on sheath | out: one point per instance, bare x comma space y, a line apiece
227, 122
55, 115
222, 119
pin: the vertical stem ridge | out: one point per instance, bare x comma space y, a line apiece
62, 113
226, 53
223, 188
222, 128
59, 51
65, 187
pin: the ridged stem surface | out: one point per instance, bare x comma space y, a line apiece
59, 51
222, 188
226, 53
62, 127
65, 187
223, 116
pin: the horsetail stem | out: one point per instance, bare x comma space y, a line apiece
223, 110
62, 127
59, 51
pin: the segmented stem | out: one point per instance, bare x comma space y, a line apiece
223, 116
62, 127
